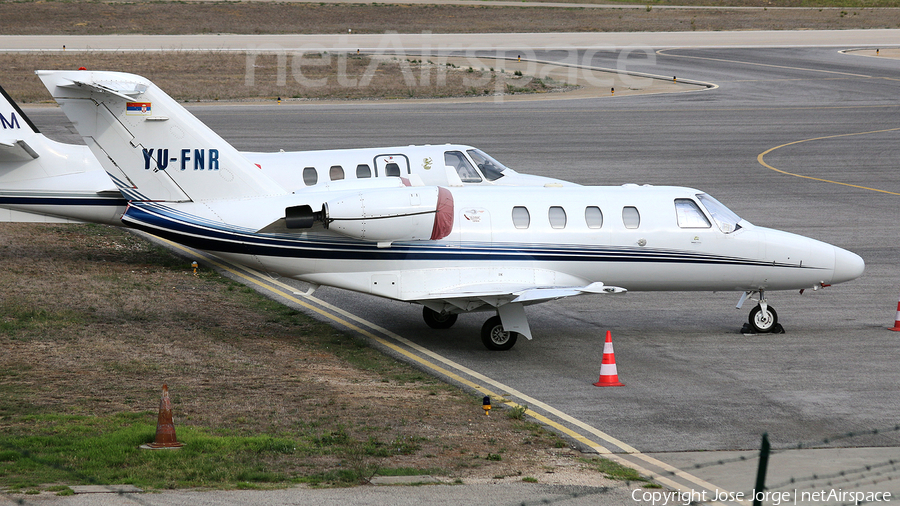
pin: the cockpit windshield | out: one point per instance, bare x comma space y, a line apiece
725, 218
492, 169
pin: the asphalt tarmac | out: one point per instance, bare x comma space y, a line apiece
696, 390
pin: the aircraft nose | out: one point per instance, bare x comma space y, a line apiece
847, 266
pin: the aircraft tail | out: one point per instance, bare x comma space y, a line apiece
16, 130
42, 180
152, 147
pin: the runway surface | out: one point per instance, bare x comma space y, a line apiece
465, 41
696, 389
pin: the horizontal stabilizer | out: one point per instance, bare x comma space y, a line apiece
152, 147
126, 91
16, 151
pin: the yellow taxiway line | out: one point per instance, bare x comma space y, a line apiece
766, 165
461, 374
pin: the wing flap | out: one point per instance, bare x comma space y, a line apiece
498, 294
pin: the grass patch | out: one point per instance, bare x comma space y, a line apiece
613, 470
517, 412
263, 396
59, 18
84, 450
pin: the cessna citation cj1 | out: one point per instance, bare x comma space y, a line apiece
452, 248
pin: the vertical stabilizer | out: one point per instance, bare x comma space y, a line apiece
152, 147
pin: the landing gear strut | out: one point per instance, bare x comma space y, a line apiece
495, 338
437, 320
763, 318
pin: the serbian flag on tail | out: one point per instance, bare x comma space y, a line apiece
137, 108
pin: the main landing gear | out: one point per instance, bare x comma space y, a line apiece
493, 336
437, 320
763, 318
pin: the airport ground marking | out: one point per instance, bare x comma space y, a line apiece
335, 314
762, 162
788, 67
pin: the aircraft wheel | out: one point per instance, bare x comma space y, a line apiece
437, 320
495, 338
763, 322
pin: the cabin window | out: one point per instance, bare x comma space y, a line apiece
520, 217
690, 215
457, 160
631, 217
363, 171
557, 217
310, 176
336, 173
392, 170
593, 216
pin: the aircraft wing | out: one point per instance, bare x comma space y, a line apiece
510, 299
498, 294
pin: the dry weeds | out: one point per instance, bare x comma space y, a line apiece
222, 75
95, 320
89, 18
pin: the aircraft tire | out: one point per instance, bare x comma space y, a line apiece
437, 320
763, 323
495, 338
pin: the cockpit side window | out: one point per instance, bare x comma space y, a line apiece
725, 218
491, 168
457, 160
689, 214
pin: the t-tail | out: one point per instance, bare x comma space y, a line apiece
152, 147
42, 180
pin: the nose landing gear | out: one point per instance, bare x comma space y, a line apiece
763, 318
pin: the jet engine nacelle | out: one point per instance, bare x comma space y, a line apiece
395, 214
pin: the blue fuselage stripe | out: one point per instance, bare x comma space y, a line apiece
157, 220
63, 201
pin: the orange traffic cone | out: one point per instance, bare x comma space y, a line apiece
897, 319
608, 375
165, 426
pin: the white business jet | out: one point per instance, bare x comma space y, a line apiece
42, 180
453, 249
